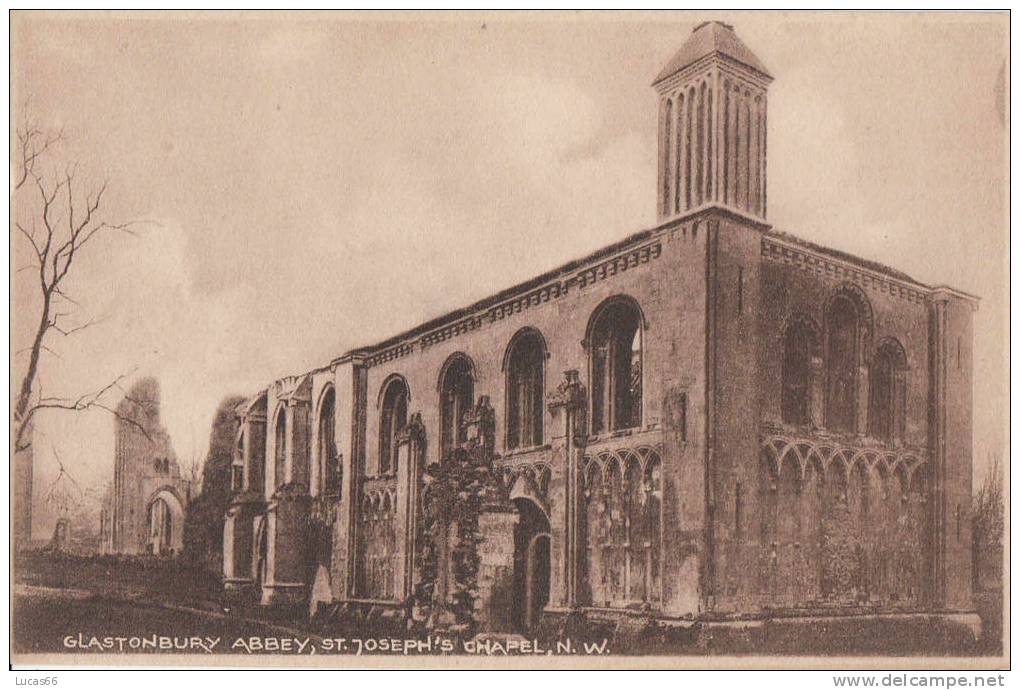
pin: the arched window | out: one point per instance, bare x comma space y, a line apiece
887, 392
281, 448
237, 466
525, 371
843, 330
799, 346
615, 351
328, 471
457, 396
392, 420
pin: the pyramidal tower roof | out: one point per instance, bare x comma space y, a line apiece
710, 38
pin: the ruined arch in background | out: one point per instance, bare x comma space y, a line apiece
164, 512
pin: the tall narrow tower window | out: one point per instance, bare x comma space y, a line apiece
699, 180
724, 137
678, 183
688, 149
710, 130
667, 147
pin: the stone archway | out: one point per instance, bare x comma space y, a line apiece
165, 520
531, 565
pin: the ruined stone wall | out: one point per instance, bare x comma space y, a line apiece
145, 469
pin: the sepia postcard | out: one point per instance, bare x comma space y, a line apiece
509, 340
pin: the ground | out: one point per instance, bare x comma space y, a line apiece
56, 596
54, 620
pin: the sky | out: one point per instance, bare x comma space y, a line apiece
311, 183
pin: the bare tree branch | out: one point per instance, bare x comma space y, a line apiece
45, 349
65, 501
75, 329
88, 401
33, 143
66, 217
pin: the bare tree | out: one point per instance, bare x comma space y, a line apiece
68, 499
59, 217
64, 495
192, 471
989, 527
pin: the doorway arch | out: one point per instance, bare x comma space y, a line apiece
164, 522
531, 565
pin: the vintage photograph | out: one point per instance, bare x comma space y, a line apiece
509, 339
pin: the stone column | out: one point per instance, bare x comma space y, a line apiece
568, 405
288, 514
937, 342
287, 569
350, 382
239, 541
239, 545
410, 456
861, 424
899, 404
816, 393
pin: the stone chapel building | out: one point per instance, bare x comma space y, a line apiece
708, 419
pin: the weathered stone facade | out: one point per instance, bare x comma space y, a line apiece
144, 510
707, 419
